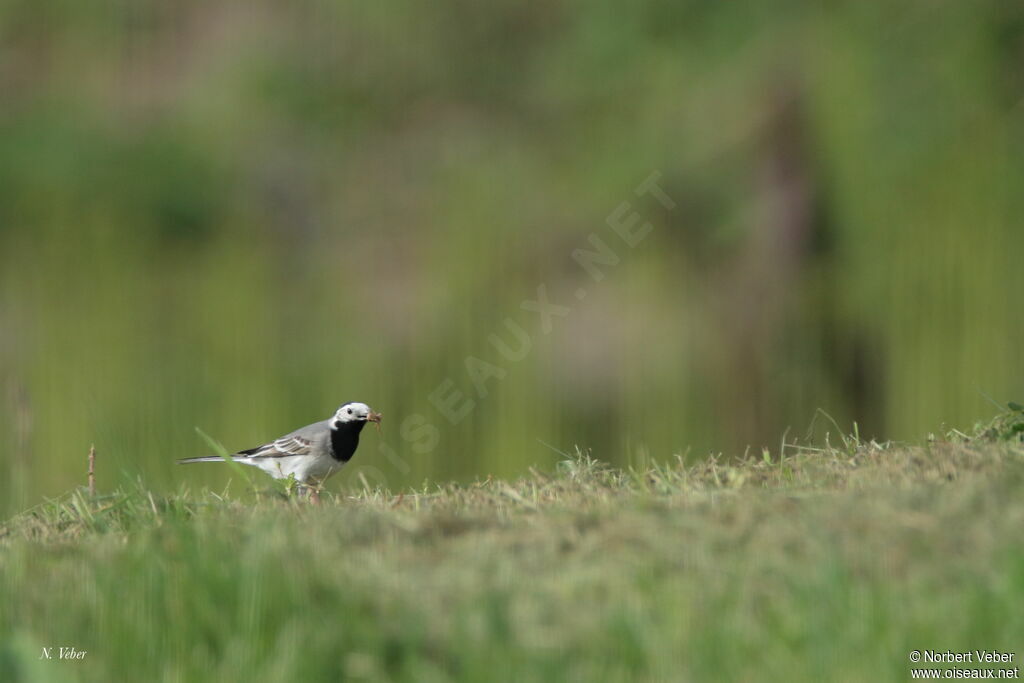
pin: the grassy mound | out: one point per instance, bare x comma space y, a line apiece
828, 563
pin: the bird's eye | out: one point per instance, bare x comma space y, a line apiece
349, 411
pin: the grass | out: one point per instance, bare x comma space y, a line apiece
829, 563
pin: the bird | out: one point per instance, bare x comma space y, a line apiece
312, 453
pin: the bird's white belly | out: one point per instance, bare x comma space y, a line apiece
305, 469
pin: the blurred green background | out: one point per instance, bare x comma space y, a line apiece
239, 215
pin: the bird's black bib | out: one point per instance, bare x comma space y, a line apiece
345, 439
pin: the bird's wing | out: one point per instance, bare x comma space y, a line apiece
281, 448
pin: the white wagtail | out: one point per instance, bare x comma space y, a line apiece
312, 453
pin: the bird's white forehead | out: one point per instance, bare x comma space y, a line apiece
354, 407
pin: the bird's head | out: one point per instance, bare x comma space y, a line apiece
355, 412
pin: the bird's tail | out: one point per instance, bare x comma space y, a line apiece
205, 458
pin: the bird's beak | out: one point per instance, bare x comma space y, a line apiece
374, 417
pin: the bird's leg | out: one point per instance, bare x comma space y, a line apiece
304, 491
